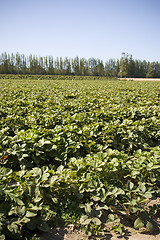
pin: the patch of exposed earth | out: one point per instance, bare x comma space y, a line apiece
69, 233
141, 79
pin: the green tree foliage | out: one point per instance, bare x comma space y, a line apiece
123, 67
151, 70
131, 67
32, 64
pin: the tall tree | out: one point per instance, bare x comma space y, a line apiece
67, 66
61, 66
100, 68
75, 65
131, 68
50, 69
123, 66
151, 71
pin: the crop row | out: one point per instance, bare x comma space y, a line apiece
75, 151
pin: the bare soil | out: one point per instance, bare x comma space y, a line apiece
70, 233
140, 79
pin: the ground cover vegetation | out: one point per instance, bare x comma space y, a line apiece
126, 66
78, 152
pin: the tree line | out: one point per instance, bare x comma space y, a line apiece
126, 66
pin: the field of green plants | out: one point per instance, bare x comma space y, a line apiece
78, 151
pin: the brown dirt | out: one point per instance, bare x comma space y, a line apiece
70, 233
140, 79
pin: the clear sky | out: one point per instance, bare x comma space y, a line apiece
85, 28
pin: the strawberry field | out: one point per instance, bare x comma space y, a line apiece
78, 151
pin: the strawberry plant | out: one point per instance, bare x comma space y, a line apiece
78, 152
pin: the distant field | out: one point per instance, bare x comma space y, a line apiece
78, 152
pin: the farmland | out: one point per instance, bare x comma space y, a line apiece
78, 151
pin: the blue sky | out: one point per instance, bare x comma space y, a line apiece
85, 28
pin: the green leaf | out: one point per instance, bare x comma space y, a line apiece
37, 199
138, 223
87, 221
13, 227
135, 172
130, 185
96, 221
44, 169
112, 219
109, 151
150, 165
45, 176
21, 210
25, 155
25, 220
54, 147
83, 218
60, 168
88, 209
42, 142
55, 200
148, 195
30, 214
15, 198
2, 237
102, 206
142, 187
150, 226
